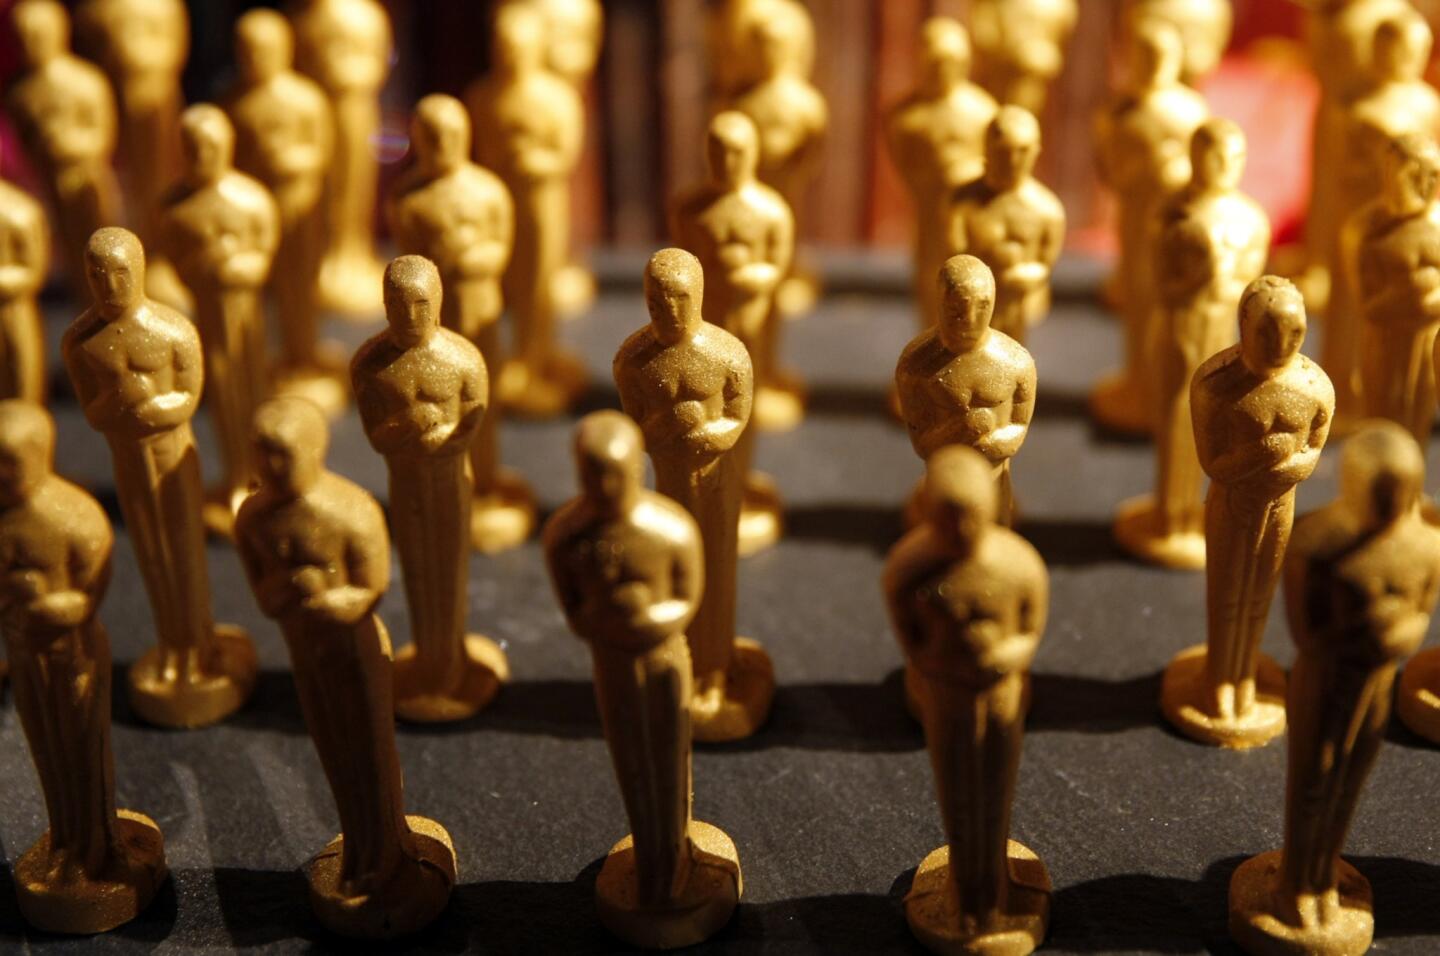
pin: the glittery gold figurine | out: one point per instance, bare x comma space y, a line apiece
96, 867
24, 262
743, 234
64, 111
1210, 243
529, 124
936, 137
422, 391
142, 45
459, 215
1011, 222
1360, 584
284, 136
1021, 46
220, 228
968, 600
790, 115
1261, 414
318, 559
1144, 156
1204, 24
345, 46
137, 370
689, 385
1399, 285
627, 566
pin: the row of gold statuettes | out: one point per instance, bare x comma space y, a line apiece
647, 580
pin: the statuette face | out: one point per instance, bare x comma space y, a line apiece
1020, 46
1205, 25
24, 262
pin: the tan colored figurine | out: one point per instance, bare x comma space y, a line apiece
743, 234
221, 229
689, 385
1144, 157
1211, 244
142, 45
137, 370
345, 46
459, 215
529, 124
64, 111
1011, 222
627, 567
968, 600
422, 391
1360, 583
1021, 46
936, 137
318, 558
96, 867
24, 262
1261, 414
1399, 286
1204, 24
283, 138
791, 116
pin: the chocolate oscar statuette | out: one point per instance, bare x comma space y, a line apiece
689, 385
1144, 137
1360, 583
459, 215
744, 236
220, 229
422, 391
317, 557
24, 263
137, 370
95, 867
1011, 222
732, 34
64, 111
1021, 46
345, 46
968, 599
1210, 242
529, 126
627, 567
284, 137
1204, 25
1261, 414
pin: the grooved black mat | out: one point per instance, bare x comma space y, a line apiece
831, 805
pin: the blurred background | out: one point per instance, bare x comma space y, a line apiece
647, 106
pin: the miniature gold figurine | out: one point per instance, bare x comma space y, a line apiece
1261, 415
283, 138
24, 261
345, 46
96, 867
689, 384
1397, 101
221, 228
1011, 222
1211, 244
137, 370
1204, 24
968, 600
318, 558
1399, 286
529, 124
1021, 46
1144, 156
64, 111
743, 234
459, 215
1360, 583
733, 43
627, 567
790, 116
422, 391
142, 45
937, 142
